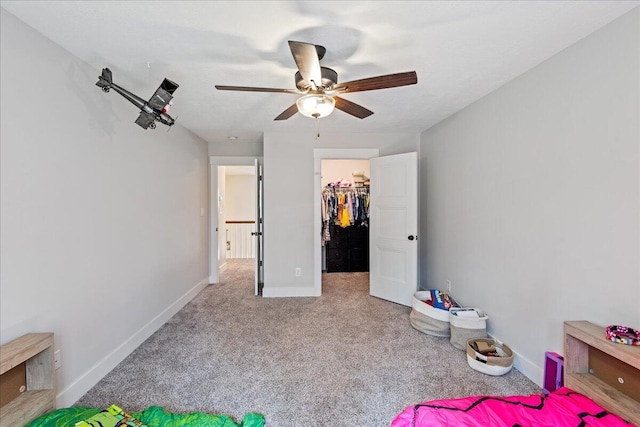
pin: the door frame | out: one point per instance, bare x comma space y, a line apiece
214, 162
259, 233
320, 154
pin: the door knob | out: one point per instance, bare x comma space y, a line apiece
411, 237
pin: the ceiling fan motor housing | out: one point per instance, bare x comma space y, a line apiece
329, 78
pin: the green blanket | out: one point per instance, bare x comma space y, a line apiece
153, 416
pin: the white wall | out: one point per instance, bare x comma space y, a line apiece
531, 196
102, 237
333, 170
289, 196
241, 196
240, 147
240, 206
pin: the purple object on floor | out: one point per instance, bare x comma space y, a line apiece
553, 372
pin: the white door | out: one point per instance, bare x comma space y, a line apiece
393, 217
258, 233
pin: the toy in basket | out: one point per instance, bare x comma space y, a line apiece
430, 312
489, 356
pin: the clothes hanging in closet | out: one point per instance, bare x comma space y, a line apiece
344, 206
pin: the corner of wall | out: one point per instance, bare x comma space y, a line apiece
85, 382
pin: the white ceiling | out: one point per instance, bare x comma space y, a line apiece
460, 50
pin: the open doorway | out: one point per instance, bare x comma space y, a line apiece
236, 218
345, 215
344, 156
393, 222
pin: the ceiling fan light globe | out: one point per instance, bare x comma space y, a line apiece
315, 105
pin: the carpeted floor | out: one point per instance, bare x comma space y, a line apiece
343, 359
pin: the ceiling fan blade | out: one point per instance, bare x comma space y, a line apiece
258, 89
287, 113
321, 51
306, 57
379, 82
352, 108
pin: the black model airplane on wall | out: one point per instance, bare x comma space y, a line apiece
155, 109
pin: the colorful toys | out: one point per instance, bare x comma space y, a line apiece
114, 416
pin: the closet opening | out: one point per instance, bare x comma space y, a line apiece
393, 221
345, 200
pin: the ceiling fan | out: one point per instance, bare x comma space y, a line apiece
319, 86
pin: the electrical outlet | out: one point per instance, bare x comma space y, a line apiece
298, 272
449, 286
57, 359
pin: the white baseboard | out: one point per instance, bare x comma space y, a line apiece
529, 369
79, 387
290, 291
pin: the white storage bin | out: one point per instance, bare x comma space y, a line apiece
424, 308
428, 319
428, 325
466, 323
486, 363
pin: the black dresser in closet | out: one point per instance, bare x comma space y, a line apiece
348, 249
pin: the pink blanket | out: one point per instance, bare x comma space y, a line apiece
563, 407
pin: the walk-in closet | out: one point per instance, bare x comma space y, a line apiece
345, 215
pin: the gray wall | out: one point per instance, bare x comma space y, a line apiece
531, 196
248, 147
240, 201
102, 234
289, 196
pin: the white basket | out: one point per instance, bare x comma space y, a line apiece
490, 365
429, 325
465, 328
428, 319
457, 319
424, 308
